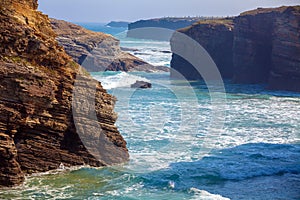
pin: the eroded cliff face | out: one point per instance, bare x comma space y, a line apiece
253, 47
216, 37
97, 51
285, 72
265, 48
37, 77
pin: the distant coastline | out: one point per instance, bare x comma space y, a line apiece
118, 24
140, 29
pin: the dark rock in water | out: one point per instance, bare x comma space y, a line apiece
118, 24
128, 49
145, 54
141, 84
97, 51
37, 78
166, 51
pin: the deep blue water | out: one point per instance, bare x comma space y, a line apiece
177, 153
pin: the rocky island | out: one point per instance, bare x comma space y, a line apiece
259, 46
37, 77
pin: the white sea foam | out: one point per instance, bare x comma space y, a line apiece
204, 195
60, 170
122, 79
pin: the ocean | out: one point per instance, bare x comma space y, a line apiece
175, 151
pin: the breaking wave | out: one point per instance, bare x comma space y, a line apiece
122, 79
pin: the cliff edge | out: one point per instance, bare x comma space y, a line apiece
37, 77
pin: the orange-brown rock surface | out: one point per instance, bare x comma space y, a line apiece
37, 78
97, 51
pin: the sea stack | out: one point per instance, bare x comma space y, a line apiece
37, 77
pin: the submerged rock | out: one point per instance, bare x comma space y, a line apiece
141, 84
37, 102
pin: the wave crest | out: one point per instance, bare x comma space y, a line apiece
121, 79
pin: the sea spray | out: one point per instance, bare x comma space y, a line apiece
121, 79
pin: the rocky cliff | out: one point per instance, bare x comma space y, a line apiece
265, 47
97, 51
37, 78
216, 37
285, 73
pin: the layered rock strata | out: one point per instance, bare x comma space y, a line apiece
267, 47
97, 51
37, 78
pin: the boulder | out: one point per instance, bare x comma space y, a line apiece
141, 84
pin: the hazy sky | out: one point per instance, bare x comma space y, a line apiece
132, 10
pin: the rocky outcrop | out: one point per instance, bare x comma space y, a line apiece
265, 49
97, 51
216, 37
37, 84
141, 84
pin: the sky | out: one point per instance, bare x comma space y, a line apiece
133, 10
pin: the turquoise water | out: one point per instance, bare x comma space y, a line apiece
176, 154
